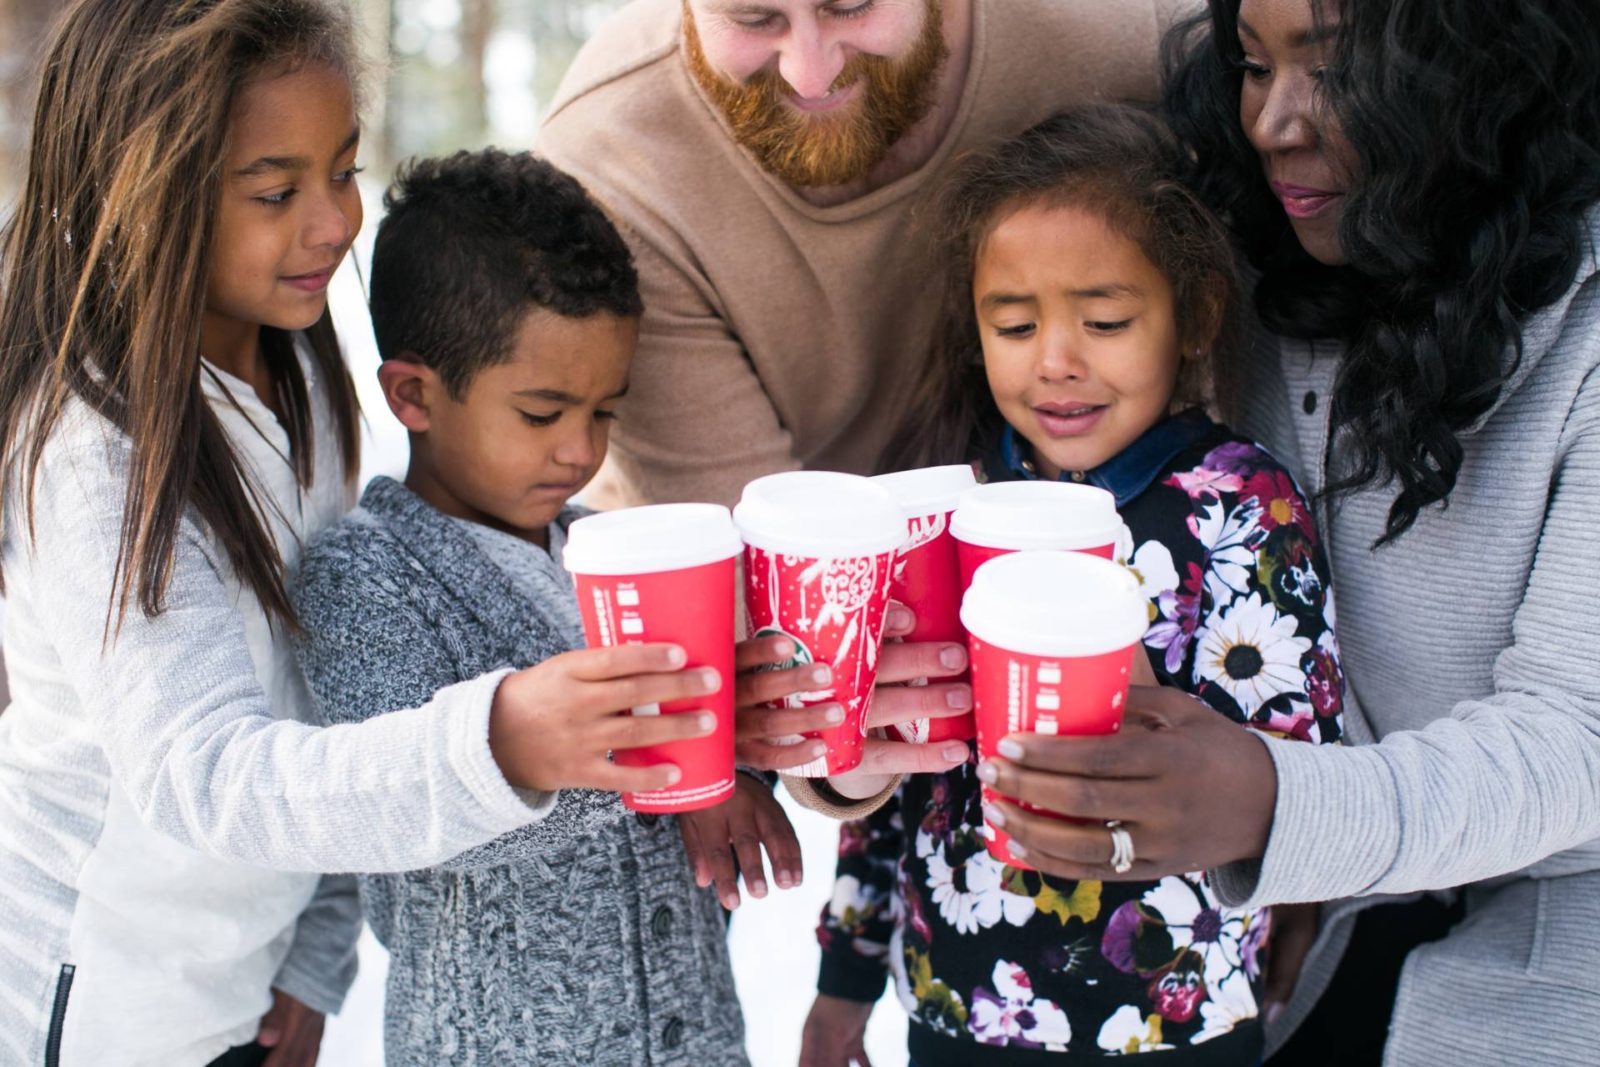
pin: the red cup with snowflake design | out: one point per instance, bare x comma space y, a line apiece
1053, 636
927, 576
666, 573
819, 553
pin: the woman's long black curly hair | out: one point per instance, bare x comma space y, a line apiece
1476, 127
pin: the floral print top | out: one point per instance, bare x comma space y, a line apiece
997, 964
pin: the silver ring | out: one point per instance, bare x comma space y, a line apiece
1121, 847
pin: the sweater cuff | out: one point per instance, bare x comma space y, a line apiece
1335, 828
850, 976
817, 795
504, 806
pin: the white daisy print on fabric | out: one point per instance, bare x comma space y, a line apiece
1128, 1032
1230, 539
1152, 565
958, 904
1251, 651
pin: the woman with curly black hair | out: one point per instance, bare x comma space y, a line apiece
1414, 184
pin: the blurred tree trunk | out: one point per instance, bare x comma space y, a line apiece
377, 33
23, 25
477, 24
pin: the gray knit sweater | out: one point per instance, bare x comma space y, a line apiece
1469, 646
579, 939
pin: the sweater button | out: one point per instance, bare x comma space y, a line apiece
1310, 403
672, 1036
661, 922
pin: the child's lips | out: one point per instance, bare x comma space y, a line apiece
314, 282
1068, 420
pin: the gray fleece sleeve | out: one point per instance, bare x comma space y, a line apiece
322, 958
188, 732
1506, 781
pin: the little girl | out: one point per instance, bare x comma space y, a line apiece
175, 423
1089, 289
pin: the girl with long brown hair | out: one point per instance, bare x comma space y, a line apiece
175, 423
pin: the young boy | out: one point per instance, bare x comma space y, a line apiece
506, 309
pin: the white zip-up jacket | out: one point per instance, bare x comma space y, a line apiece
162, 809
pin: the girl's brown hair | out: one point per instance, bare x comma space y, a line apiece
1116, 161
105, 263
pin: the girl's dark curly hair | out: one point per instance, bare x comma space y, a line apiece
1476, 128
1115, 161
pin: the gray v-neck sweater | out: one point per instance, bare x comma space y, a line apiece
580, 938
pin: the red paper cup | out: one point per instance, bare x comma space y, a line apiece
927, 576
819, 551
666, 573
1002, 517
1053, 636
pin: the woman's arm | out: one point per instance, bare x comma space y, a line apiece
1505, 781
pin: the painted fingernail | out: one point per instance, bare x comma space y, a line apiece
710, 679
1016, 850
959, 698
993, 815
676, 656
673, 774
987, 773
821, 674
706, 721
900, 618
1009, 749
953, 657
782, 646
954, 750
818, 749
835, 713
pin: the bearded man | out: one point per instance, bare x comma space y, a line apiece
766, 160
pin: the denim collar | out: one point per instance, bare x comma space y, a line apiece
1129, 472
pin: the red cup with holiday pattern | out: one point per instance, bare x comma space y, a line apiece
1001, 517
666, 573
927, 576
1052, 636
819, 548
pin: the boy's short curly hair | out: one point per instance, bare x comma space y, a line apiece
472, 242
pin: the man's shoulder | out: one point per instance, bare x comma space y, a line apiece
628, 47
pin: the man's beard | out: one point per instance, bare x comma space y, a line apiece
828, 148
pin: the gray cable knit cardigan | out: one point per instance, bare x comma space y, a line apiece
578, 939
1469, 645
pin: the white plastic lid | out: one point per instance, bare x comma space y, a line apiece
1055, 604
1036, 515
660, 537
819, 515
929, 490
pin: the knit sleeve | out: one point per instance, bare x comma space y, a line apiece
1506, 780
190, 737
371, 647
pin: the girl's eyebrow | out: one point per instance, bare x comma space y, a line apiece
268, 164
998, 300
1110, 290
